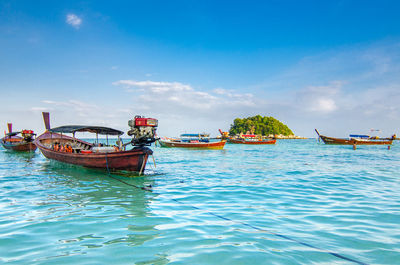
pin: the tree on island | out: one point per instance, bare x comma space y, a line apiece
259, 125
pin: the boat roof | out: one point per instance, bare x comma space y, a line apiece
12, 133
85, 128
359, 136
195, 135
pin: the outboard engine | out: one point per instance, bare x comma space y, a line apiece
143, 130
27, 135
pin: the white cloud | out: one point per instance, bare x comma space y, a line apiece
319, 98
39, 109
71, 105
74, 20
190, 107
152, 86
324, 104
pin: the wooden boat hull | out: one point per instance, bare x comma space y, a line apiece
237, 141
340, 141
18, 144
132, 160
209, 145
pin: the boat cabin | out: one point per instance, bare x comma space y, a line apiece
359, 136
63, 143
195, 137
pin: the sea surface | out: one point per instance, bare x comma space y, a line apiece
296, 202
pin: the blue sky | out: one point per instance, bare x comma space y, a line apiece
196, 65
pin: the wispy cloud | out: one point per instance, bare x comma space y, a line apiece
319, 98
73, 20
39, 109
183, 95
74, 109
81, 108
153, 86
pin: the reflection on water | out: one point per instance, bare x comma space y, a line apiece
96, 187
9, 155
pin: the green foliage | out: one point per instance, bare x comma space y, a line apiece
259, 125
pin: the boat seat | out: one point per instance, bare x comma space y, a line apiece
103, 149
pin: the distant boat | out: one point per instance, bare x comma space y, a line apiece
194, 141
24, 143
251, 141
56, 146
356, 140
248, 139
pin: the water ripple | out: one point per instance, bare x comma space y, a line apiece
204, 208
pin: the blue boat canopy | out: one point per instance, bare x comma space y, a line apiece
195, 135
359, 136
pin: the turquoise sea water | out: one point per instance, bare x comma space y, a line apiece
297, 202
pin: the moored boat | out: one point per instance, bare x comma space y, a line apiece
194, 141
247, 141
25, 142
57, 146
356, 140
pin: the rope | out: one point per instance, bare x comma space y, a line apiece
275, 234
126, 183
340, 256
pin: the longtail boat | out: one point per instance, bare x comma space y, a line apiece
356, 140
25, 142
251, 141
247, 139
57, 146
193, 141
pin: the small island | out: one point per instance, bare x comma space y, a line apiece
263, 126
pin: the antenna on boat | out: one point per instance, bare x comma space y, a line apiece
46, 119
